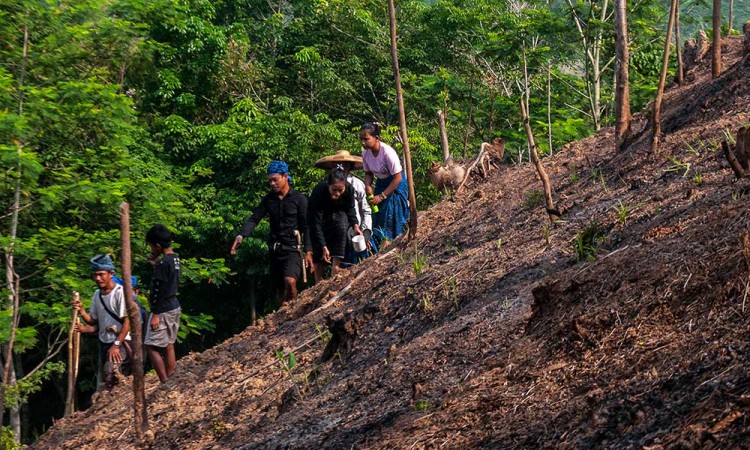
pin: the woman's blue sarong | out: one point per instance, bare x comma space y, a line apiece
353, 257
393, 213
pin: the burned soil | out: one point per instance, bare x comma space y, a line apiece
623, 325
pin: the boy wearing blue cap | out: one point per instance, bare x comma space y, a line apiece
108, 317
287, 213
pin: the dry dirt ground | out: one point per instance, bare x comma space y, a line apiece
492, 330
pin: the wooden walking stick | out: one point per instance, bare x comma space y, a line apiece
301, 254
73, 353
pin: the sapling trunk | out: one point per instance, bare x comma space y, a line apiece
553, 215
134, 315
402, 122
656, 115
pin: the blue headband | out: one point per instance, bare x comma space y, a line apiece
102, 262
280, 167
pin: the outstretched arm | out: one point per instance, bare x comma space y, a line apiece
250, 224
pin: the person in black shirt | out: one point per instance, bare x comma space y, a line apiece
287, 213
164, 321
331, 215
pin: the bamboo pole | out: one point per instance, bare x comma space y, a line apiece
134, 315
402, 122
72, 363
678, 47
656, 115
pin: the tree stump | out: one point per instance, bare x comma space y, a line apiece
738, 155
689, 55
703, 46
343, 333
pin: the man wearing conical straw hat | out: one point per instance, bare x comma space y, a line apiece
350, 162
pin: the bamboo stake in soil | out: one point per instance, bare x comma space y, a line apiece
656, 115
553, 214
402, 122
73, 339
678, 46
134, 314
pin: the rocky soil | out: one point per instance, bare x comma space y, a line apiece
624, 325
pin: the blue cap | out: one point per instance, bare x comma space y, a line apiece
133, 281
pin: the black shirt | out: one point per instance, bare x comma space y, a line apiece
165, 284
285, 215
323, 209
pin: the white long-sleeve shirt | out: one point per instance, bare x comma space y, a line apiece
361, 207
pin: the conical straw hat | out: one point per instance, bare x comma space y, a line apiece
341, 156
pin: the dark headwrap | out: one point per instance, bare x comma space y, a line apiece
280, 167
102, 262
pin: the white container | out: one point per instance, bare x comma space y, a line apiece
359, 243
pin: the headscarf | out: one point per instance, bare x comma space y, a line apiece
280, 167
102, 262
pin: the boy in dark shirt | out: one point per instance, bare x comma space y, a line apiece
165, 308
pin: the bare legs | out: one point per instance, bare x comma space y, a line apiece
290, 290
163, 359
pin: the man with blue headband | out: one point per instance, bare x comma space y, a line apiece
107, 317
287, 213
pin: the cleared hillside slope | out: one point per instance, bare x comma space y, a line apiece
503, 338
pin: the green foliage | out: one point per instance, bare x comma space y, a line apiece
288, 361
194, 324
8, 440
622, 212
532, 199
19, 392
419, 262
178, 107
587, 242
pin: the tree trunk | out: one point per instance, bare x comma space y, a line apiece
134, 315
14, 421
549, 108
402, 123
678, 49
656, 115
11, 277
443, 137
592, 48
253, 312
622, 83
553, 214
731, 17
716, 54
471, 115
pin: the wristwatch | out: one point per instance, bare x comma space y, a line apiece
117, 343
